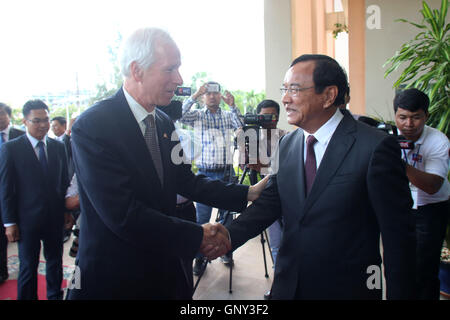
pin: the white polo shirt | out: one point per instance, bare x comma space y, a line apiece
430, 154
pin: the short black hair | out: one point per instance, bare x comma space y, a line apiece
411, 100
6, 108
268, 104
327, 72
33, 105
62, 121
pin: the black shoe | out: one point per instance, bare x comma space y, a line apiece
198, 265
268, 295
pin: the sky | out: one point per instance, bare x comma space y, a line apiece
45, 45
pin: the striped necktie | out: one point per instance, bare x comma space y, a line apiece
151, 139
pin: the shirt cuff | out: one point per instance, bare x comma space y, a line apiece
6, 225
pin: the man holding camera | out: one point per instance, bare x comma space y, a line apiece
427, 170
269, 137
214, 126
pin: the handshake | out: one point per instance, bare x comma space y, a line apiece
216, 241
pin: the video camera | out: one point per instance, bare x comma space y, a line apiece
392, 131
259, 119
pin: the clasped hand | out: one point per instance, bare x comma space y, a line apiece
216, 241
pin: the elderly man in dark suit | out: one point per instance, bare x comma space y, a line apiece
33, 183
131, 244
7, 132
340, 184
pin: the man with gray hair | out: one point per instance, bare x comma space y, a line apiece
131, 243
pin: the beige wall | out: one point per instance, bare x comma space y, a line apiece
278, 48
381, 44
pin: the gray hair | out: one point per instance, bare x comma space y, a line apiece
141, 47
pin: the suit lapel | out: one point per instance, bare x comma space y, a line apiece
134, 142
52, 161
291, 174
338, 147
30, 154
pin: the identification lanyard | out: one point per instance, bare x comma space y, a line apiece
416, 156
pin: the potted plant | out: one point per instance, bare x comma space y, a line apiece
427, 57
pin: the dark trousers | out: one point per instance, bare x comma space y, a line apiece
29, 250
431, 223
3, 252
187, 212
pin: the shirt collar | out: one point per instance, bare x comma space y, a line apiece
138, 111
35, 141
61, 137
218, 112
325, 132
6, 130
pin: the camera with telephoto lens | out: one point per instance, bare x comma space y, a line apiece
392, 131
255, 122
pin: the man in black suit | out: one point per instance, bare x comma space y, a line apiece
7, 132
131, 244
59, 128
33, 183
340, 184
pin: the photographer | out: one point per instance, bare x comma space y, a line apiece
268, 138
427, 170
214, 125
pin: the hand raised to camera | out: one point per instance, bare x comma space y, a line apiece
215, 241
228, 98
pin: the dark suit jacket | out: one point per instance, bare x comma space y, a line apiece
131, 244
331, 237
13, 133
68, 148
28, 197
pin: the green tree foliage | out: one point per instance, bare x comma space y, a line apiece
428, 63
108, 87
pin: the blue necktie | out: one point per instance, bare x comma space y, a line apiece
42, 157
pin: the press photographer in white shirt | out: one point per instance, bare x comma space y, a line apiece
427, 168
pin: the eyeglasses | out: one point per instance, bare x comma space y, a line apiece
293, 92
37, 121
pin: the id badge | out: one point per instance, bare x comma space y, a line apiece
414, 194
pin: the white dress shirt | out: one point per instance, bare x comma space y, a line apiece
138, 111
323, 137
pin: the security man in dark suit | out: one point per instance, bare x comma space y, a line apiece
33, 184
7, 132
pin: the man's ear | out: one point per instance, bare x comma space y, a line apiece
136, 72
330, 94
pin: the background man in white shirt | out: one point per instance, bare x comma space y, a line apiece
427, 170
